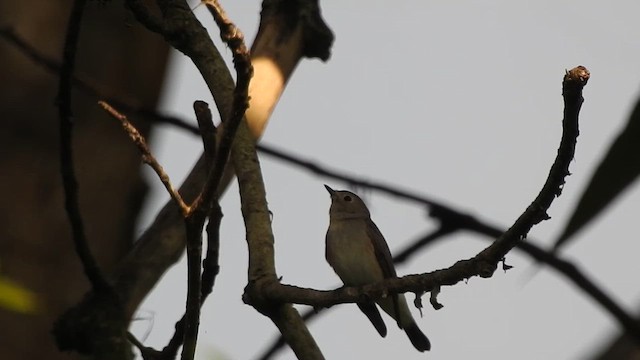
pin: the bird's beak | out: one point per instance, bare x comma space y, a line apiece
330, 190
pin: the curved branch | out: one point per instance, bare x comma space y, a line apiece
484, 263
102, 336
69, 181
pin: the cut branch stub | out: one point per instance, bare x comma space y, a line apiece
289, 31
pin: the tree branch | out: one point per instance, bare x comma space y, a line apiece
209, 273
211, 269
261, 253
147, 156
202, 204
163, 242
450, 219
279, 342
194, 225
194, 218
564, 267
208, 133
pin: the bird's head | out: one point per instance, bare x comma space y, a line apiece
345, 204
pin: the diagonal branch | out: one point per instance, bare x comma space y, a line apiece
322, 170
147, 156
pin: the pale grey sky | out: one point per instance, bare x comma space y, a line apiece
457, 100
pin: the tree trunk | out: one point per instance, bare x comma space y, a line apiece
36, 250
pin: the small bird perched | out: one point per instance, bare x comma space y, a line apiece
359, 254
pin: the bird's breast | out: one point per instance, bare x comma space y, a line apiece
351, 253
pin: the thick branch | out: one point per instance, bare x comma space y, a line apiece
261, 253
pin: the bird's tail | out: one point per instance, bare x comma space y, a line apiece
417, 337
369, 308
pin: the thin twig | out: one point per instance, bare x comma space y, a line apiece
414, 246
147, 156
32, 53
70, 183
352, 180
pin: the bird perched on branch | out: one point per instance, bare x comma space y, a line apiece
359, 254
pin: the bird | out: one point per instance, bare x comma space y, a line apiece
359, 255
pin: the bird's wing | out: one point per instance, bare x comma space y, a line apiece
381, 249
383, 255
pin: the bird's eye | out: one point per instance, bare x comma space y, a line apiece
347, 198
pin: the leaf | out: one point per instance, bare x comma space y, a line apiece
619, 168
16, 298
